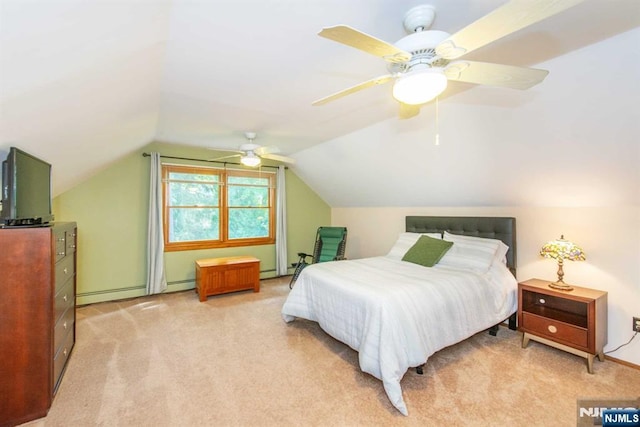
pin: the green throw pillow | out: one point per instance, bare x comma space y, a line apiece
427, 251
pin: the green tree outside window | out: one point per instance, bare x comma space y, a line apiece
209, 207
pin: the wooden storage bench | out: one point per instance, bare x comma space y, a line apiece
229, 274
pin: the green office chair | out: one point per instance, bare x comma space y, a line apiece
329, 246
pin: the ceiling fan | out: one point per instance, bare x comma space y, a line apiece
422, 63
251, 154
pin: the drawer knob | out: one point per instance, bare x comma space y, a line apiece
60, 253
65, 270
64, 325
542, 301
64, 298
552, 329
64, 352
72, 246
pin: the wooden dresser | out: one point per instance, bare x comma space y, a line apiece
229, 274
37, 308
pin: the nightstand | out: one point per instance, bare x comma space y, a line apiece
574, 321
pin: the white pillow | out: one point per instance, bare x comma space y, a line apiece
406, 241
472, 253
501, 249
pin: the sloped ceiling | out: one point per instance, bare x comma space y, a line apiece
83, 84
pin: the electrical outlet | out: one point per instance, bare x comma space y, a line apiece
636, 324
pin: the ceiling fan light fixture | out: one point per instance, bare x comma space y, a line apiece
420, 86
250, 160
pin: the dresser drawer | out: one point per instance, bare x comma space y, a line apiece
557, 331
65, 242
70, 238
60, 359
65, 269
60, 244
62, 328
64, 299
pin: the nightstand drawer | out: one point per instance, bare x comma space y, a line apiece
549, 328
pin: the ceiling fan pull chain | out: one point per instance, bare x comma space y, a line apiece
437, 122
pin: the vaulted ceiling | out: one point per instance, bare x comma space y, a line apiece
84, 83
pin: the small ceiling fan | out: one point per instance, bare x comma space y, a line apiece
251, 154
422, 63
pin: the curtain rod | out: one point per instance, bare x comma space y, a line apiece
208, 161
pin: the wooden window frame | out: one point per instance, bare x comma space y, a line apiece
223, 241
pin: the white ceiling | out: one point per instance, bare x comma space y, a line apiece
84, 83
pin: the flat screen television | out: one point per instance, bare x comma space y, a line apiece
26, 190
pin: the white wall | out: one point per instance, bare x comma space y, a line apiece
609, 236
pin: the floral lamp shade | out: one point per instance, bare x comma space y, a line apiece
562, 249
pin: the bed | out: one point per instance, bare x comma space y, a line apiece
396, 313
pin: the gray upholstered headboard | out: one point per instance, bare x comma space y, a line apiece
501, 228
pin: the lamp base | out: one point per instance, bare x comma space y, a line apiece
561, 286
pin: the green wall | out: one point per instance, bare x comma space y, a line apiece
111, 211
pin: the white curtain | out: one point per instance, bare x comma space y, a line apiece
156, 280
281, 224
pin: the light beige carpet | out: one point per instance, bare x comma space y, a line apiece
171, 360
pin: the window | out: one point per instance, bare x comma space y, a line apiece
212, 208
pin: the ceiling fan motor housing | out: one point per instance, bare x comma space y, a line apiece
422, 46
249, 147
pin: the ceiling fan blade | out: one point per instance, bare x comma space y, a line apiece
224, 157
364, 85
354, 38
485, 73
230, 150
407, 111
507, 19
261, 151
279, 158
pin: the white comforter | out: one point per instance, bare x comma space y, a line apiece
396, 314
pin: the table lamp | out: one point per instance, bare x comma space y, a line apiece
562, 249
